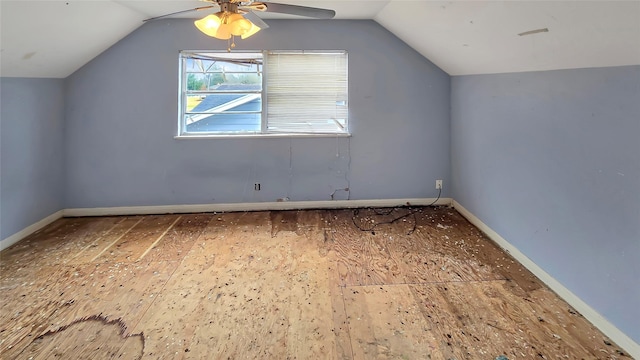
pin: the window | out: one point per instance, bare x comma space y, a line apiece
222, 93
271, 92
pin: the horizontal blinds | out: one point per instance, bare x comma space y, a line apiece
306, 92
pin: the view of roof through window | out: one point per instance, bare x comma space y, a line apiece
224, 92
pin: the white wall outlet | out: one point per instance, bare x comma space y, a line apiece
438, 184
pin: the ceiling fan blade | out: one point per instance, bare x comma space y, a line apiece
311, 12
251, 16
179, 12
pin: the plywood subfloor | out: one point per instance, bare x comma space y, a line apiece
406, 283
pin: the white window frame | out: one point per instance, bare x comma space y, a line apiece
264, 122
184, 92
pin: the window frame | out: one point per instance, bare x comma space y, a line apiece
263, 132
184, 93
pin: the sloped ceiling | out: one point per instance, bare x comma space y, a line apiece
52, 38
479, 37
55, 38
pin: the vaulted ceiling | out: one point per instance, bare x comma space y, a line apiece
52, 38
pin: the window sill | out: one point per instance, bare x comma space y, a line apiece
260, 136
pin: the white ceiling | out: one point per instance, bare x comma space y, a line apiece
51, 38
480, 37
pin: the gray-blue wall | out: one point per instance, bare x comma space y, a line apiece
31, 151
122, 115
551, 162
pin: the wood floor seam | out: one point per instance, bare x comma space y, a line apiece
344, 305
160, 237
169, 278
116, 240
426, 283
96, 240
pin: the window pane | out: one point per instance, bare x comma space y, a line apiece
193, 101
224, 112
197, 82
225, 123
222, 93
218, 81
223, 102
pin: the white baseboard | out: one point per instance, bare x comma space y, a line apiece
197, 208
12, 239
259, 206
588, 312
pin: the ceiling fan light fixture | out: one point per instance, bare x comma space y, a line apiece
252, 30
230, 20
210, 25
238, 25
223, 24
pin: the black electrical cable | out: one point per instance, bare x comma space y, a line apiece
438, 198
372, 228
412, 212
380, 212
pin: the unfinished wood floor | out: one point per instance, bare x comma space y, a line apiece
407, 283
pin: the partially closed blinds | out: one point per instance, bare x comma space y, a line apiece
306, 92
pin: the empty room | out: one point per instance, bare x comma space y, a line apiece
302, 179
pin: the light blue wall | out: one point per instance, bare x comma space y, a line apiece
551, 162
31, 151
122, 115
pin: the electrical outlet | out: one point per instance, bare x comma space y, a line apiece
256, 187
438, 184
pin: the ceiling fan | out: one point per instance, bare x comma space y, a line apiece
237, 17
